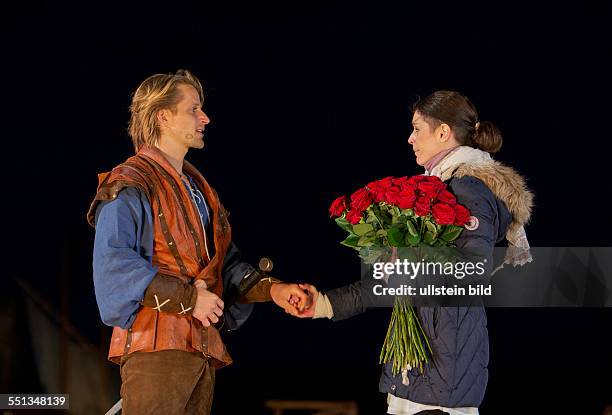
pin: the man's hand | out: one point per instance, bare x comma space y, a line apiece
313, 296
290, 297
208, 307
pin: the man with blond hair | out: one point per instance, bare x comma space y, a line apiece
163, 258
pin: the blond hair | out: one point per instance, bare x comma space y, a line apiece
156, 93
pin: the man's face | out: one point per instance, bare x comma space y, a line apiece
186, 126
423, 139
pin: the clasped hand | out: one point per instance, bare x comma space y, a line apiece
295, 299
208, 307
303, 301
299, 300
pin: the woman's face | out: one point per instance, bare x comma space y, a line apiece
426, 141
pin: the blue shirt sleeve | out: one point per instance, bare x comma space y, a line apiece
123, 249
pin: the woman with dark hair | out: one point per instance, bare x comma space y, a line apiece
450, 142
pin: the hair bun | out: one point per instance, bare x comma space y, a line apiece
487, 137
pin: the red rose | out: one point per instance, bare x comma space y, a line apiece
379, 188
437, 181
422, 206
408, 185
462, 215
428, 189
361, 199
381, 194
391, 195
405, 199
338, 207
384, 183
400, 181
378, 194
353, 216
443, 214
447, 197
417, 179
441, 185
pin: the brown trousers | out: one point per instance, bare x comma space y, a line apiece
169, 382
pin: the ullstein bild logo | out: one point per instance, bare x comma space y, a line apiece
432, 290
412, 269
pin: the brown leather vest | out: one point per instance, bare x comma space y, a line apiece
181, 249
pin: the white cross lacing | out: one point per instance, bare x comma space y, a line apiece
185, 310
159, 306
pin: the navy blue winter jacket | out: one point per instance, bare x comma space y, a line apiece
457, 377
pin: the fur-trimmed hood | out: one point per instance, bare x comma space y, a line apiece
506, 184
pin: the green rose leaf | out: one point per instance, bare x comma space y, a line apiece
401, 219
408, 212
431, 227
386, 218
362, 228
344, 224
351, 241
367, 240
411, 228
429, 238
382, 213
381, 233
412, 240
371, 218
396, 236
451, 233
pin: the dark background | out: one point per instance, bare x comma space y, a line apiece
309, 101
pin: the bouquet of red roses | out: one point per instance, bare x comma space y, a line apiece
396, 212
